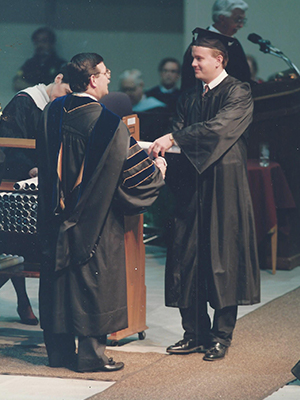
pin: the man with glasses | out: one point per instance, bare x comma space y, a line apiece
151, 111
228, 17
91, 172
166, 91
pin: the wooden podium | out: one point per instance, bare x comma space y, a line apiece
276, 121
135, 264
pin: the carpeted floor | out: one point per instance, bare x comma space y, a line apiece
265, 348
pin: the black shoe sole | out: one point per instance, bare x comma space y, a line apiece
101, 369
215, 358
199, 349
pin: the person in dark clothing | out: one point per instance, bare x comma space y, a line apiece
213, 255
20, 120
166, 91
228, 17
150, 110
45, 63
91, 172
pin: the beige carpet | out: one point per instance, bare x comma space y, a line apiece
265, 348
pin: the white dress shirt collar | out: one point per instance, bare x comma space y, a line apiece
217, 80
84, 94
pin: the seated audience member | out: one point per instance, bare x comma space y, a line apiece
118, 102
20, 120
166, 91
253, 66
153, 114
45, 63
131, 83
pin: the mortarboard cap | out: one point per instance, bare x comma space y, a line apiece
200, 34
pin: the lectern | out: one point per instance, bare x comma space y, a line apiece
135, 264
276, 122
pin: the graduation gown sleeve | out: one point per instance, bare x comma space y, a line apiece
206, 141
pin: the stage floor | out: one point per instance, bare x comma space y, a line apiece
163, 323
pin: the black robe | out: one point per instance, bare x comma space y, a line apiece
19, 120
169, 98
81, 216
214, 232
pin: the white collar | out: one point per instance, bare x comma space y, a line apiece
83, 94
164, 90
39, 95
217, 80
213, 29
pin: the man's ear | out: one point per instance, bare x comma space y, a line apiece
93, 81
58, 78
219, 59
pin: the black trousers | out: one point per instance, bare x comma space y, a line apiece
61, 350
197, 324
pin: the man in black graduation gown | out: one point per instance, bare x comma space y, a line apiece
213, 255
91, 172
228, 17
20, 120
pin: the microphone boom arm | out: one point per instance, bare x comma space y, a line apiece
286, 59
266, 47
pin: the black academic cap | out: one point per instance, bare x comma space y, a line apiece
199, 34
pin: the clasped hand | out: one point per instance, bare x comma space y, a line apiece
161, 145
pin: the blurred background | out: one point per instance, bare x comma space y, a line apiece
136, 33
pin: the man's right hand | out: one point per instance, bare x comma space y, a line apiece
161, 145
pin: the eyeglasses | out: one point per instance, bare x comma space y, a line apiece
240, 21
171, 71
107, 73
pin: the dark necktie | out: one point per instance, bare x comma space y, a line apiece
206, 89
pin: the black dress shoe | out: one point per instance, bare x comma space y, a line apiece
185, 346
216, 352
26, 315
111, 366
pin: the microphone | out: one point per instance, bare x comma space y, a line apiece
265, 45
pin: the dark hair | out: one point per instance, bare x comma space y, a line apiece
168, 59
215, 45
44, 29
64, 71
80, 68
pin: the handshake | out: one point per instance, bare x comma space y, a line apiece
161, 145
161, 163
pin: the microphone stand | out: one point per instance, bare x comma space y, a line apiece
265, 48
287, 60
